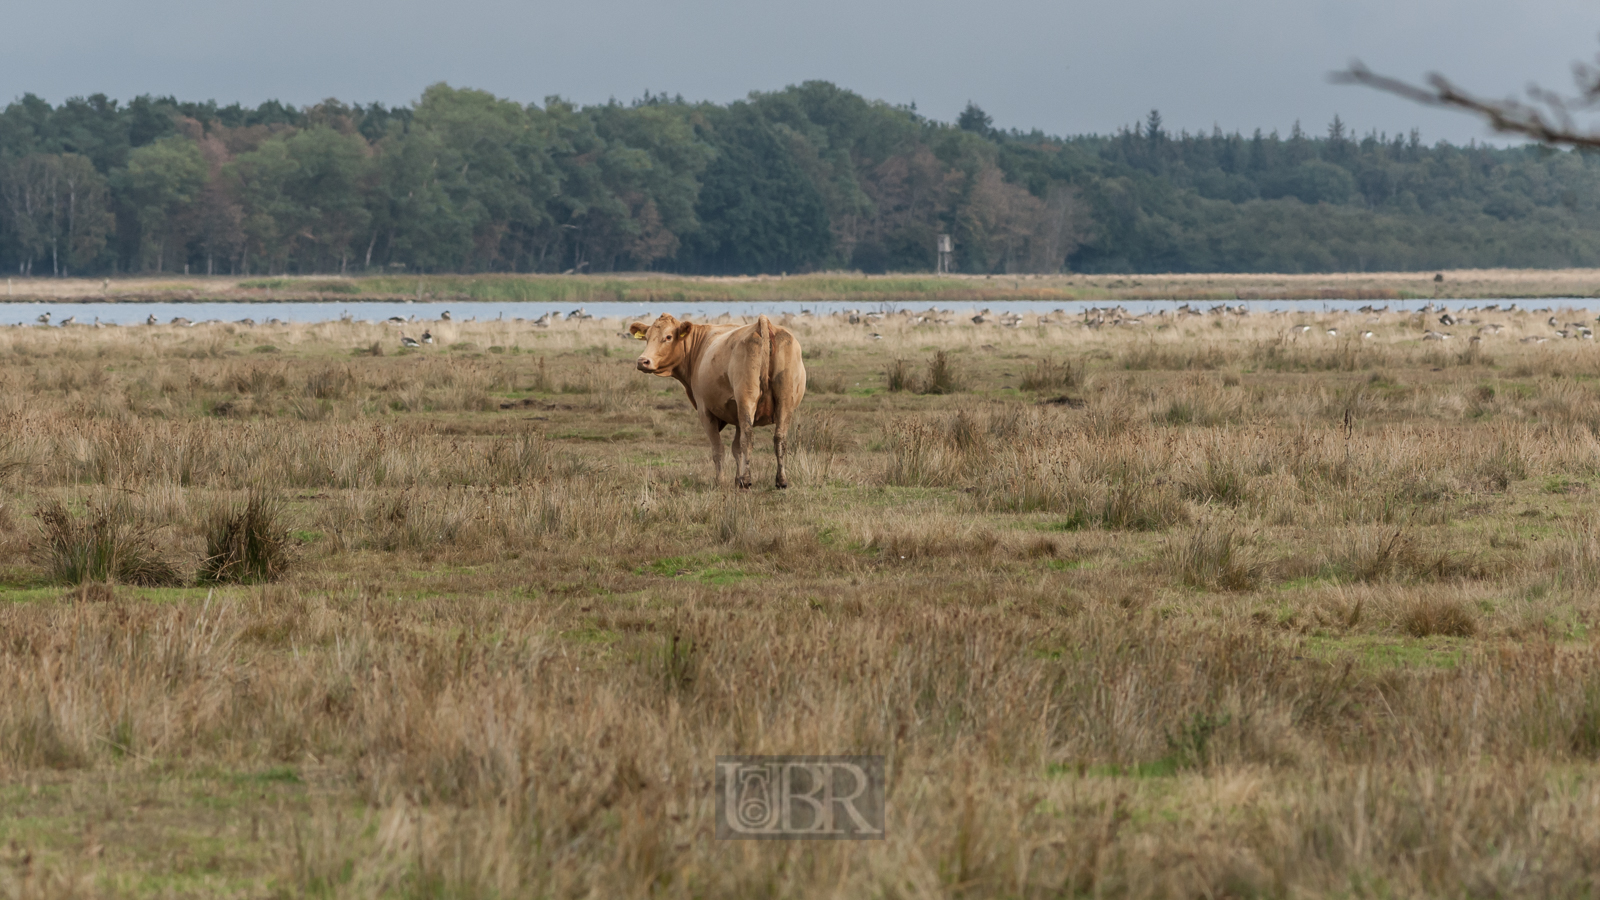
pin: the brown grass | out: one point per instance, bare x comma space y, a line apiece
1261, 616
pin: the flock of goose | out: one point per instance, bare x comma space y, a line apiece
1119, 316
1089, 317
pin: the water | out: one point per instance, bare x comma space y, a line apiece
137, 313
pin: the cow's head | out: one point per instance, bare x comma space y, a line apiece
663, 344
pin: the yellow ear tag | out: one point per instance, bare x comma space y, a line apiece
638, 337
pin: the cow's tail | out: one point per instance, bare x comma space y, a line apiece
767, 334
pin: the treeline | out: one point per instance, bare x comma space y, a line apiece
811, 177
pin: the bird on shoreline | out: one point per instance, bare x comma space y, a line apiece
151, 319
427, 337
408, 341
444, 316
44, 319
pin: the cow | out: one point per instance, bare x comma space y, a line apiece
740, 375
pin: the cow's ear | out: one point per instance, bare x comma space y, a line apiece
638, 330
683, 330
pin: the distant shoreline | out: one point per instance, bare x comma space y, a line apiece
1469, 284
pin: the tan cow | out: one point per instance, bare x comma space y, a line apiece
740, 375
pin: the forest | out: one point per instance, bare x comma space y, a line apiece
812, 177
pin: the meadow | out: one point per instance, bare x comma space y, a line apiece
1203, 606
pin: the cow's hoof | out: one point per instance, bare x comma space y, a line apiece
783, 485
743, 483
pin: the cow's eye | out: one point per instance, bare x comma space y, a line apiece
668, 337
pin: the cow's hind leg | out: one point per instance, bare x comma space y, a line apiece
780, 443
743, 437
713, 429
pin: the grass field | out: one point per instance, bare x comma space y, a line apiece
1200, 607
827, 286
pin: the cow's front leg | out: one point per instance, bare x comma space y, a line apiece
713, 429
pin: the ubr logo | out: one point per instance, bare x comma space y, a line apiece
800, 798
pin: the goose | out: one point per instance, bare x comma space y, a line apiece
444, 316
44, 319
69, 320
1447, 319
544, 320
150, 319
396, 320
876, 336
1365, 335
1302, 328
408, 341
180, 320
579, 314
1333, 332
427, 337
1552, 322
1533, 340
1435, 336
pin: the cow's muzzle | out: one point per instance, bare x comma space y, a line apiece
645, 365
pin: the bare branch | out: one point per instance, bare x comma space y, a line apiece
1553, 124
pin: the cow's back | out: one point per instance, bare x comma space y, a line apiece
741, 360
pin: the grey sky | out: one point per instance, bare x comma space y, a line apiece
1064, 67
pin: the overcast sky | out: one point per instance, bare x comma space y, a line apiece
1064, 67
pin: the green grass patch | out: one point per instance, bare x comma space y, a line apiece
707, 570
600, 636
1379, 653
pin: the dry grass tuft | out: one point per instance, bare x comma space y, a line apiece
1049, 375
944, 376
1218, 559
1439, 616
107, 544
246, 545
